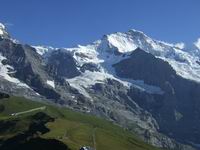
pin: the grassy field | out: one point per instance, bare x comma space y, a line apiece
72, 128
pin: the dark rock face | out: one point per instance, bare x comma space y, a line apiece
112, 101
144, 66
3, 95
177, 110
31, 68
115, 102
62, 64
90, 67
27, 64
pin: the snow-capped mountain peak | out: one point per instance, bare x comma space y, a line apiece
131, 40
122, 41
3, 32
113, 47
2, 28
42, 50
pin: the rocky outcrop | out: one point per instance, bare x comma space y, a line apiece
30, 68
90, 67
115, 101
62, 64
27, 67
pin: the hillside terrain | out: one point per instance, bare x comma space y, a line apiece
58, 128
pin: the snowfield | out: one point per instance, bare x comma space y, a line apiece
2, 28
51, 83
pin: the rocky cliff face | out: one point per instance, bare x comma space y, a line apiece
141, 89
62, 64
177, 108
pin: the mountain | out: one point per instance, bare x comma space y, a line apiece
147, 86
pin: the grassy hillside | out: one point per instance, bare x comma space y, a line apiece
71, 128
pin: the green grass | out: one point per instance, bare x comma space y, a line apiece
73, 128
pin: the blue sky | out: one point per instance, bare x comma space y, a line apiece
65, 23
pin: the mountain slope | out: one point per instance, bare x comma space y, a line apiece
70, 128
178, 98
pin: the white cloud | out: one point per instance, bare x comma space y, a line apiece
197, 43
7, 24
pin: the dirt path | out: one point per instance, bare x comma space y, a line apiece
94, 138
28, 111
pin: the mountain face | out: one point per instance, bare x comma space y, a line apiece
147, 86
179, 98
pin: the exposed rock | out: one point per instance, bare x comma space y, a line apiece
180, 95
62, 64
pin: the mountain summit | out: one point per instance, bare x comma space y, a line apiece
3, 32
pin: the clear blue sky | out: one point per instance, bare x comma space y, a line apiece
65, 23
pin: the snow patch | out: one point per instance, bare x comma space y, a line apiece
51, 83
88, 78
1, 32
42, 49
5, 71
185, 70
122, 41
180, 45
2, 28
